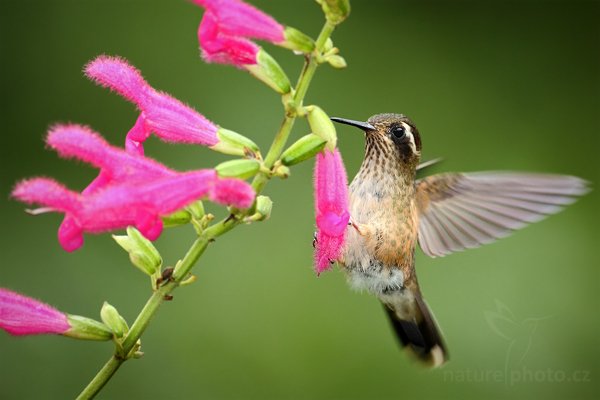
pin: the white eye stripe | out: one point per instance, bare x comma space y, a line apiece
411, 137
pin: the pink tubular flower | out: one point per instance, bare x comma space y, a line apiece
226, 27
115, 164
21, 315
170, 119
141, 205
130, 189
331, 207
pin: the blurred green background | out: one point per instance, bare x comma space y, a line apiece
490, 84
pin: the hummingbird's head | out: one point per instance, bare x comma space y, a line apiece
389, 135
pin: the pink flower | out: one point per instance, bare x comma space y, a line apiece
130, 189
226, 27
115, 164
117, 206
21, 315
170, 119
331, 206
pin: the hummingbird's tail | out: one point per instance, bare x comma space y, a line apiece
415, 327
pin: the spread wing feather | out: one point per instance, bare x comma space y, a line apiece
463, 211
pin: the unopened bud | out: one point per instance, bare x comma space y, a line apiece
328, 45
322, 126
233, 143
87, 329
197, 210
180, 217
242, 169
303, 149
267, 70
111, 318
335, 10
264, 205
297, 41
142, 252
336, 61
281, 171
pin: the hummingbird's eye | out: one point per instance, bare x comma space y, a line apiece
399, 132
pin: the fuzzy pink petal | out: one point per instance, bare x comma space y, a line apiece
116, 165
236, 18
70, 234
331, 207
328, 249
117, 74
221, 48
136, 136
233, 192
174, 121
332, 224
141, 205
21, 315
167, 117
46, 192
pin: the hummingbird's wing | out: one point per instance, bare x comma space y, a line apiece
462, 211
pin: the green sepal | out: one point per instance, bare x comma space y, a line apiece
268, 70
242, 169
87, 329
304, 148
180, 217
297, 41
233, 143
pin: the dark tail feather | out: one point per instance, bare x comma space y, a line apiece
416, 329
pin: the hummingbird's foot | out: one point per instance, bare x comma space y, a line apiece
362, 229
315, 240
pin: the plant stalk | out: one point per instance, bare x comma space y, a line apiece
209, 234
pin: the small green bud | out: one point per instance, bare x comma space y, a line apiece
234, 144
303, 149
322, 126
180, 217
336, 61
328, 45
297, 41
111, 318
267, 70
242, 169
264, 205
196, 209
87, 329
142, 252
335, 10
281, 171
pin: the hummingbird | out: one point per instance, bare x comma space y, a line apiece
391, 211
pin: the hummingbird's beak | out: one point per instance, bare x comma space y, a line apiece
365, 126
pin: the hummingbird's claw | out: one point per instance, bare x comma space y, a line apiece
315, 240
362, 229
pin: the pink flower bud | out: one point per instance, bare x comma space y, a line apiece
21, 315
331, 207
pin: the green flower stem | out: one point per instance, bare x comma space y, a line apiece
208, 235
282, 136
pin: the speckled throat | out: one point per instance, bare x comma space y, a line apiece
382, 196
